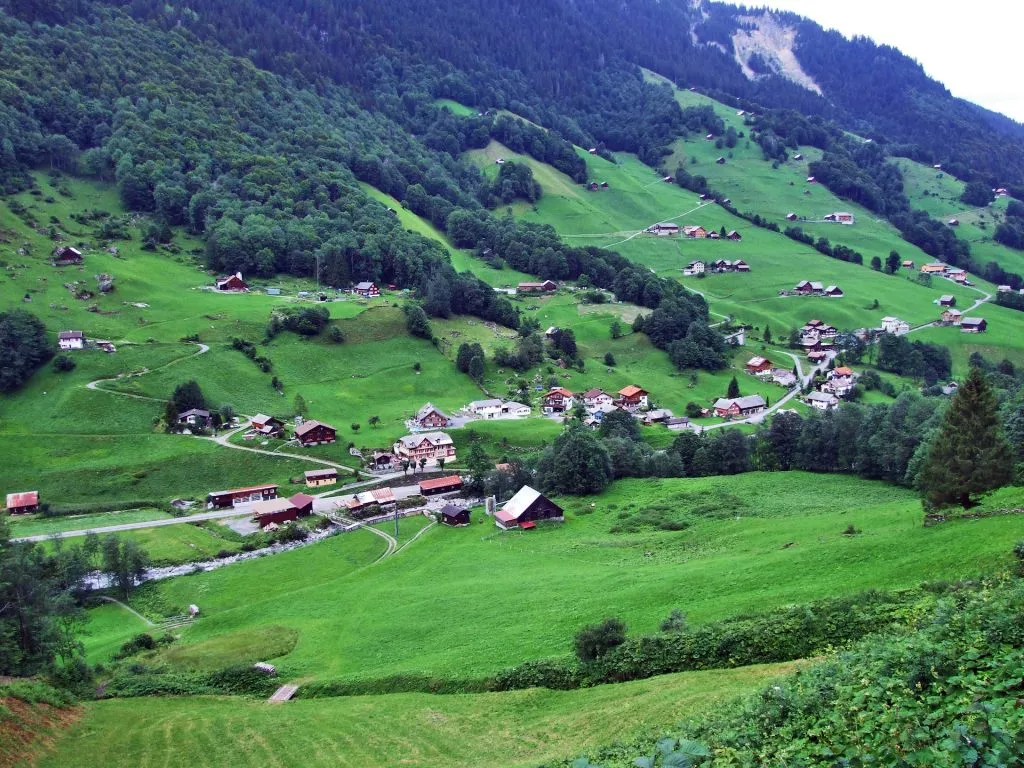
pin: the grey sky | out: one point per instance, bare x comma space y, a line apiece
970, 48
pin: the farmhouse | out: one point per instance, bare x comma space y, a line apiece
378, 497
834, 292
935, 268
366, 289
841, 217
956, 274
195, 417
677, 422
1003, 289
954, 222
664, 229
973, 325
71, 340
236, 496
895, 326
267, 426
485, 409
740, 266
431, 417
739, 406
515, 410
697, 232
282, 510
822, 401
22, 503
632, 398
809, 288
314, 433
656, 416
66, 255
694, 268
947, 300
952, 316
558, 400
756, 365
592, 398
454, 516
317, 477
546, 287
734, 236
525, 508
232, 283
430, 446
841, 382
817, 356
908, 264
790, 216
440, 485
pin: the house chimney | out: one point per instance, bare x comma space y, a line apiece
238, 275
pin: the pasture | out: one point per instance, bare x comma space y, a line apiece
519, 728
712, 547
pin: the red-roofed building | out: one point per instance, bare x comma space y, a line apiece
363, 502
756, 365
22, 503
632, 398
282, 510
558, 400
440, 485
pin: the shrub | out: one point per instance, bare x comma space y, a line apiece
542, 673
63, 364
244, 679
139, 643
593, 642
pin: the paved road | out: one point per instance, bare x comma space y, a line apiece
238, 511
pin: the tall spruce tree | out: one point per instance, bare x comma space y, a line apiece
969, 456
734, 388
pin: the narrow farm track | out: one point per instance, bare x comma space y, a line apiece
391, 540
222, 440
419, 533
95, 385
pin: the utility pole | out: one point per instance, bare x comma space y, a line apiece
396, 522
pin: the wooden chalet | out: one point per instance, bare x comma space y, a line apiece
973, 325
314, 433
195, 417
739, 406
933, 269
430, 446
841, 217
236, 496
734, 236
440, 485
22, 503
66, 256
267, 426
545, 287
232, 283
947, 300
454, 516
282, 510
833, 292
952, 316
593, 398
790, 216
664, 229
317, 477
695, 232
431, 417
756, 365
632, 398
823, 401
526, 508
558, 400
366, 289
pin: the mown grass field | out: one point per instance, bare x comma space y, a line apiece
38, 525
754, 541
520, 728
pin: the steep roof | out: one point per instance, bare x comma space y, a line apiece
428, 409
747, 401
632, 390
518, 504
23, 499
559, 391
300, 500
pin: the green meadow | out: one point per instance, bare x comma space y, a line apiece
519, 728
712, 547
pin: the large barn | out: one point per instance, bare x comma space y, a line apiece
525, 508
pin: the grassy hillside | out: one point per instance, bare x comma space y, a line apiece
520, 728
747, 543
